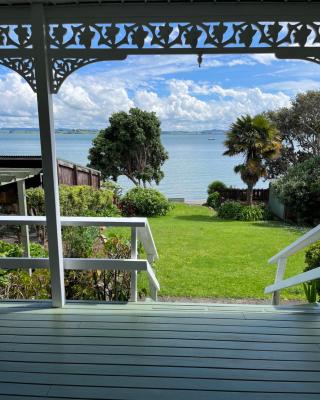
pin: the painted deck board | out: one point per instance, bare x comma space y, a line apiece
159, 351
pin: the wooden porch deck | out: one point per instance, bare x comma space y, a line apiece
159, 351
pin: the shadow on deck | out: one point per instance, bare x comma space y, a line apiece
159, 351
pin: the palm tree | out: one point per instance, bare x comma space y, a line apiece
257, 140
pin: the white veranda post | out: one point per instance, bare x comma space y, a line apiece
48, 152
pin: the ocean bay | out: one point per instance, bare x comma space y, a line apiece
194, 160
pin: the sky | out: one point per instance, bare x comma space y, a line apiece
184, 96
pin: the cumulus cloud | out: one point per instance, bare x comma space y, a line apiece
87, 100
181, 109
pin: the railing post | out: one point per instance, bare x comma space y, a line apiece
48, 153
22, 205
282, 262
134, 256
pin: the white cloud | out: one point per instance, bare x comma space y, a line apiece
293, 86
265, 59
87, 101
17, 102
181, 109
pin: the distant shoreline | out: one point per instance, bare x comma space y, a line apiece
27, 131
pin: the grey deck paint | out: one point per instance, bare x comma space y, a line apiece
159, 351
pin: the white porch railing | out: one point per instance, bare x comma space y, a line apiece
140, 229
280, 259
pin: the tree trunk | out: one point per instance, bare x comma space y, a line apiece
250, 194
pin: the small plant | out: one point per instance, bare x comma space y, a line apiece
216, 186
310, 290
312, 259
242, 212
115, 188
18, 284
10, 249
144, 202
214, 200
252, 213
230, 210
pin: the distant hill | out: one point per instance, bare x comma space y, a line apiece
213, 132
66, 131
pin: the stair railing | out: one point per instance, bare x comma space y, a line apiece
140, 229
280, 259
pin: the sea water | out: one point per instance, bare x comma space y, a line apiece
194, 160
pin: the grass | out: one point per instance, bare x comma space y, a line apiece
202, 256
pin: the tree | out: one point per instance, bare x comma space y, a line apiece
130, 146
299, 190
257, 140
299, 128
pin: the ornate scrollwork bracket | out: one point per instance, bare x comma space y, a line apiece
24, 67
63, 67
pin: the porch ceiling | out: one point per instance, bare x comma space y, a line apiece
75, 2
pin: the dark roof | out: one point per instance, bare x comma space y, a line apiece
74, 2
29, 161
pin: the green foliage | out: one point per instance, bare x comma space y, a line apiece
214, 200
310, 290
114, 187
35, 201
18, 284
74, 200
241, 212
216, 186
299, 129
144, 202
78, 241
130, 146
254, 213
299, 190
10, 249
102, 285
38, 251
312, 259
230, 210
257, 140
86, 201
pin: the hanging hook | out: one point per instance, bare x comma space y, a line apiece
200, 59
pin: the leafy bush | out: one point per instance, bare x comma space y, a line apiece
10, 249
237, 211
253, 213
38, 251
299, 190
85, 285
144, 202
214, 200
78, 242
115, 188
102, 285
75, 200
230, 210
18, 284
216, 186
312, 259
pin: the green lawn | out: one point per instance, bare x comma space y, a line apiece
202, 256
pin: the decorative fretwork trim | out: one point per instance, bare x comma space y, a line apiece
312, 59
62, 68
24, 67
164, 35
15, 36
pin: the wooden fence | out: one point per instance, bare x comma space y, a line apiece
68, 174
259, 195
